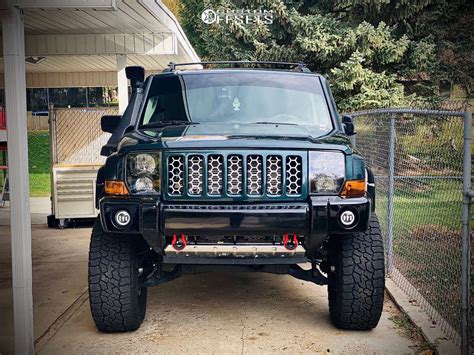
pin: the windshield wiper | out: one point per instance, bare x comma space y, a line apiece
283, 123
167, 123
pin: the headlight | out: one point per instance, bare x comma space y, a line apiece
143, 173
142, 163
326, 172
143, 184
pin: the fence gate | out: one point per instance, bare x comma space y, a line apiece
422, 163
75, 141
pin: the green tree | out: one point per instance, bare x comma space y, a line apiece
443, 29
369, 50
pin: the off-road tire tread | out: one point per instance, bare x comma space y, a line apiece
356, 289
113, 282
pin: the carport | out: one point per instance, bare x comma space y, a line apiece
69, 43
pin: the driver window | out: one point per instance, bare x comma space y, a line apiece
150, 109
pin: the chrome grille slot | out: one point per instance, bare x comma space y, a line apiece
214, 174
175, 175
254, 174
274, 176
293, 175
195, 174
234, 174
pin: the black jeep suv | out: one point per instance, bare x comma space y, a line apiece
243, 166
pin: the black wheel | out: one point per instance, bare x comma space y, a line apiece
117, 301
357, 279
62, 223
52, 221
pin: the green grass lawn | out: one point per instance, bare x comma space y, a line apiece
427, 239
39, 167
39, 163
424, 203
38, 153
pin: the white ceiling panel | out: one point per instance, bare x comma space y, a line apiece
96, 63
130, 17
75, 40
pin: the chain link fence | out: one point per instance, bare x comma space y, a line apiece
418, 158
76, 136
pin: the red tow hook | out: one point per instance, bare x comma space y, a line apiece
179, 243
290, 243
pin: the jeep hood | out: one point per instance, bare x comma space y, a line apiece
228, 135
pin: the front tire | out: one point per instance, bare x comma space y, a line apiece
356, 284
118, 303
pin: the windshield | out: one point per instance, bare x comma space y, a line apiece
238, 98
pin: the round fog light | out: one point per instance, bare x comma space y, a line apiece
347, 218
122, 218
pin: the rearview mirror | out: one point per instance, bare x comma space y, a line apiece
109, 123
348, 124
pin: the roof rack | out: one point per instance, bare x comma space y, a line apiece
239, 63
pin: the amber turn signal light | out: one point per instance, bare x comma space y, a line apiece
353, 188
115, 188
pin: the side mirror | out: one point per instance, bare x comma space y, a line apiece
136, 75
109, 123
348, 124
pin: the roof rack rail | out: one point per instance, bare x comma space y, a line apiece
239, 63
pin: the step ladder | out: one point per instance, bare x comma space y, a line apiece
5, 195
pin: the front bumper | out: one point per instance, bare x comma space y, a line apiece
312, 221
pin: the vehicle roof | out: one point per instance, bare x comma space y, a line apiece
233, 70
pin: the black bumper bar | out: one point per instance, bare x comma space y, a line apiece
235, 219
314, 219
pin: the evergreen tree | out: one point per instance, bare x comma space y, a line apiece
370, 50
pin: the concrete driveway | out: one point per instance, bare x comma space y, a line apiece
204, 313
232, 314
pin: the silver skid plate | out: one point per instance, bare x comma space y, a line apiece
235, 251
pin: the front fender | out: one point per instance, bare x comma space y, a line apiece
371, 191
111, 170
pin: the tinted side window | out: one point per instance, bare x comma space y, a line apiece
165, 101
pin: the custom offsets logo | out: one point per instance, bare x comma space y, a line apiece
243, 17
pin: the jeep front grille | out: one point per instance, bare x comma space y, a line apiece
235, 175
195, 167
293, 175
214, 174
175, 175
274, 177
254, 174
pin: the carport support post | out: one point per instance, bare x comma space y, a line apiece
466, 235
15, 105
122, 83
390, 193
53, 157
